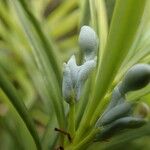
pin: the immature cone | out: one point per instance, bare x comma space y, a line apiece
88, 42
67, 86
136, 78
116, 112
75, 76
119, 125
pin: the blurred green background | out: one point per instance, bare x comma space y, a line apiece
61, 21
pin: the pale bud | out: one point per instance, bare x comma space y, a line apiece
88, 42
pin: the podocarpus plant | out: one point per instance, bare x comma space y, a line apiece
119, 113
90, 97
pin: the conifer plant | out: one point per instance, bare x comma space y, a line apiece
75, 77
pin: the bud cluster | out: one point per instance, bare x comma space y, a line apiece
74, 76
119, 113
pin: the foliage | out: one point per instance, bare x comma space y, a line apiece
36, 38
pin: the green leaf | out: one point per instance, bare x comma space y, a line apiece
102, 26
44, 66
123, 28
126, 14
10, 91
47, 45
124, 25
85, 13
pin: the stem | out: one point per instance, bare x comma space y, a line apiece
81, 106
90, 118
71, 119
64, 132
87, 140
84, 143
94, 20
85, 13
100, 109
85, 123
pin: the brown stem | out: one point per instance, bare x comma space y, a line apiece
65, 133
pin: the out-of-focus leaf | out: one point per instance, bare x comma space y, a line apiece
19, 105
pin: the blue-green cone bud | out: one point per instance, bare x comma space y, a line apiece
74, 78
136, 78
67, 88
84, 71
115, 113
118, 125
74, 69
88, 42
117, 98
